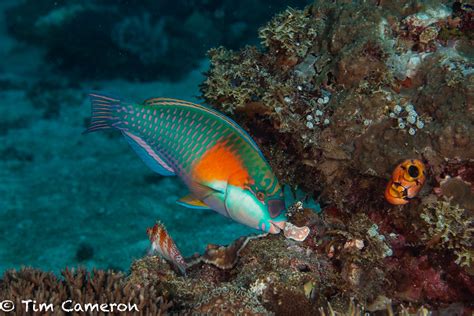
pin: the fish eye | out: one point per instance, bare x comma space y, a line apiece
261, 195
413, 171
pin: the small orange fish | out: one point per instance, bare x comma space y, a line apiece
407, 180
162, 243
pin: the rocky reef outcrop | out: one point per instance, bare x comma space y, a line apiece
338, 96
343, 92
346, 265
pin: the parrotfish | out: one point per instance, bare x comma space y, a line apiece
216, 159
162, 243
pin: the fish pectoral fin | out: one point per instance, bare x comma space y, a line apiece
192, 202
213, 189
150, 251
204, 190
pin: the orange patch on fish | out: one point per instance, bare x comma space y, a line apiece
395, 194
163, 237
221, 163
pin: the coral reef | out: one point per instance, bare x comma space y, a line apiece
344, 265
327, 100
338, 96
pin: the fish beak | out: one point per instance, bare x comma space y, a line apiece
276, 227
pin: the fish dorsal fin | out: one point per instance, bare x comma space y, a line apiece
166, 101
192, 202
229, 121
149, 156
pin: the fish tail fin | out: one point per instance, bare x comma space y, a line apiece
104, 112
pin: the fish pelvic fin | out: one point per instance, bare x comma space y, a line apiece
192, 202
104, 112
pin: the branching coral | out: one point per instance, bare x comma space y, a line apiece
102, 287
250, 85
450, 227
291, 33
260, 84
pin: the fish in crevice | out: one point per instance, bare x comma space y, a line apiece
407, 180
